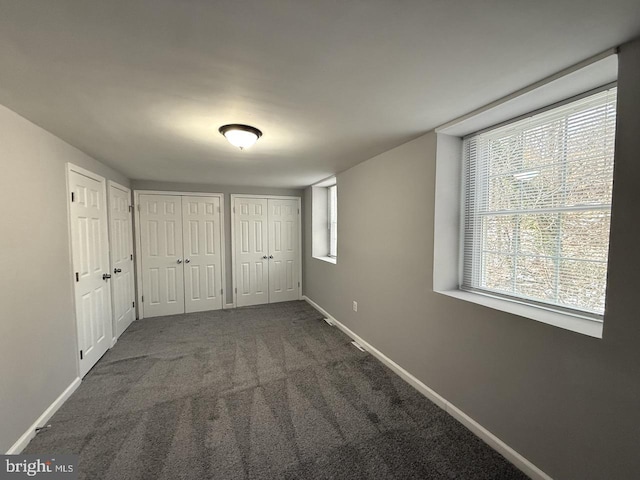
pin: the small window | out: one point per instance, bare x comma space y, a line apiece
324, 221
538, 206
333, 221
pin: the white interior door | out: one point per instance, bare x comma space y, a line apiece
121, 246
251, 252
90, 247
201, 224
161, 254
284, 254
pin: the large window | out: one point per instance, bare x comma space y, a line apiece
538, 205
332, 223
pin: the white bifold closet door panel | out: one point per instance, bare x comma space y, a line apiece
267, 250
161, 245
90, 247
251, 251
122, 291
283, 250
201, 228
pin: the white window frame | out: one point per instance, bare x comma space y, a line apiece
599, 72
479, 184
321, 221
332, 224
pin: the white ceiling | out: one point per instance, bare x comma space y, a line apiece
143, 85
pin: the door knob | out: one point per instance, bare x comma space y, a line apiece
187, 260
265, 257
179, 261
117, 270
106, 277
270, 256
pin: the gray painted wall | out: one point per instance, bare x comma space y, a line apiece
567, 402
227, 190
37, 321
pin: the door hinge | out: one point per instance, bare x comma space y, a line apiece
73, 196
133, 304
81, 356
130, 208
298, 284
236, 290
131, 256
77, 277
142, 298
221, 292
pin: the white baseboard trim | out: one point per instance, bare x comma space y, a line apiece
485, 435
227, 306
26, 437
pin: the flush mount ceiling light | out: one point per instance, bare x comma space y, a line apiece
241, 136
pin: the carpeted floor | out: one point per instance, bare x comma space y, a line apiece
268, 392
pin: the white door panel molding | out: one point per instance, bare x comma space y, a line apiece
201, 225
161, 252
121, 252
88, 220
283, 221
252, 254
180, 240
266, 249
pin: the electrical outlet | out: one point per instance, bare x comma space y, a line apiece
355, 306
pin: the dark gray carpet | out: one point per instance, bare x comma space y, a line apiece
268, 392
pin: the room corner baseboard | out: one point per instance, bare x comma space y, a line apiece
485, 435
26, 437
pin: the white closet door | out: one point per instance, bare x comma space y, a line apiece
251, 252
284, 251
161, 242
201, 219
90, 247
122, 293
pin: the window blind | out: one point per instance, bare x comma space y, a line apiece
538, 206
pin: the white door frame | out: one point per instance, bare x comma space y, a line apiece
70, 167
111, 183
233, 237
138, 241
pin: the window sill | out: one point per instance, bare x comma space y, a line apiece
333, 260
567, 321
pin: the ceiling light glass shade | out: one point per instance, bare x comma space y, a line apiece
241, 136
